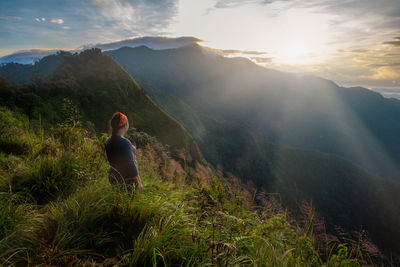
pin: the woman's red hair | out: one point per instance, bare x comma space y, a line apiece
117, 121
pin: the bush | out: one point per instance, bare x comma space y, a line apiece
142, 140
12, 135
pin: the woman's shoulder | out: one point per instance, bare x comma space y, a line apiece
116, 139
126, 142
120, 140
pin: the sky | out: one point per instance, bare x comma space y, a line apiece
352, 42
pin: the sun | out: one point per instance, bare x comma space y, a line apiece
300, 46
298, 53
301, 38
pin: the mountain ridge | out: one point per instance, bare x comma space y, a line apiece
332, 183
92, 79
283, 167
307, 111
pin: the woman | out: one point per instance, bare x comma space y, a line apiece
121, 154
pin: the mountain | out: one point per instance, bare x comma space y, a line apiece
341, 192
27, 56
387, 92
98, 86
33, 55
153, 42
24, 73
301, 111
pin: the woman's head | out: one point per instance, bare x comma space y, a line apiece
119, 123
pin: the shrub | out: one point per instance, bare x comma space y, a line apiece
12, 135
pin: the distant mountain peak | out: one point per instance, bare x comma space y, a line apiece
151, 42
29, 56
141, 48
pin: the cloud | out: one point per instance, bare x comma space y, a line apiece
136, 17
393, 92
358, 27
52, 20
57, 21
369, 66
262, 60
385, 73
243, 52
391, 54
233, 52
396, 42
234, 3
373, 16
40, 19
378, 65
357, 50
10, 18
393, 43
360, 50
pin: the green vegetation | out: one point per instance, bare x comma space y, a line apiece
58, 208
85, 89
342, 192
93, 81
24, 73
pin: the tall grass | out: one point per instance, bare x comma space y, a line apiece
58, 209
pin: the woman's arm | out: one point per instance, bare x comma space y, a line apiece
132, 165
130, 153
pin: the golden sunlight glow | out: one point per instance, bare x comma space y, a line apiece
301, 39
296, 36
299, 53
386, 72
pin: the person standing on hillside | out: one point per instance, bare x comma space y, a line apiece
121, 154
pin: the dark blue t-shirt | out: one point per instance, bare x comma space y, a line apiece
121, 155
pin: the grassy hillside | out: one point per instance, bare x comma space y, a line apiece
98, 86
58, 208
340, 191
